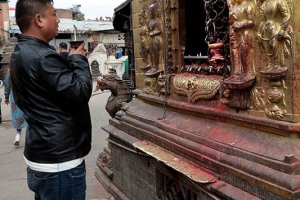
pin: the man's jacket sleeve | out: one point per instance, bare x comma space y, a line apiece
70, 80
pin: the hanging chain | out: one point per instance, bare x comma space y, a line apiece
168, 63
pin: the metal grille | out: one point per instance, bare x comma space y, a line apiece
169, 188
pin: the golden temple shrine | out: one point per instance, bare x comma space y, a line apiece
215, 104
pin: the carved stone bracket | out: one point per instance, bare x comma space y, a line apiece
104, 162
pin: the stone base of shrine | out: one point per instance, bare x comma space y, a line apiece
187, 151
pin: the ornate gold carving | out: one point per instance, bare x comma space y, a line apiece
195, 87
163, 84
275, 38
258, 95
169, 10
241, 30
274, 34
276, 98
144, 39
151, 86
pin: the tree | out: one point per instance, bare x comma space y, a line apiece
78, 16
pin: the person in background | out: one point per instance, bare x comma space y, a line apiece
54, 95
63, 49
119, 53
1, 84
18, 118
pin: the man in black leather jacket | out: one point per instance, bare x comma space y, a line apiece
54, 95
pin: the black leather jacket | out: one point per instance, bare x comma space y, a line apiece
54, 96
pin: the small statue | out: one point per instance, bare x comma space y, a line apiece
242, 37
119, 92
155, 33
144, 40
241, 23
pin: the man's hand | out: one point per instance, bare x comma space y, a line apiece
80, 50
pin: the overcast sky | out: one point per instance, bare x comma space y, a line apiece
91, 8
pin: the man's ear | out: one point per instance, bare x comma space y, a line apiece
38, 19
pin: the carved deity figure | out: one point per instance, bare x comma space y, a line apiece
241, 23
144, 40
155, 31
274, 33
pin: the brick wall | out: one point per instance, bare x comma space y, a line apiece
134, 175
64, 13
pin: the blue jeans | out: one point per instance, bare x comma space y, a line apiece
65, 185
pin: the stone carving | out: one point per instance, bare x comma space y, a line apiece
119, 92
155, 33
274, 36
104, 160
195, 87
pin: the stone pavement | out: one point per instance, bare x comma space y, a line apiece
13, 183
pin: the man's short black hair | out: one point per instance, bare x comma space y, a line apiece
63, 45
26, 11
